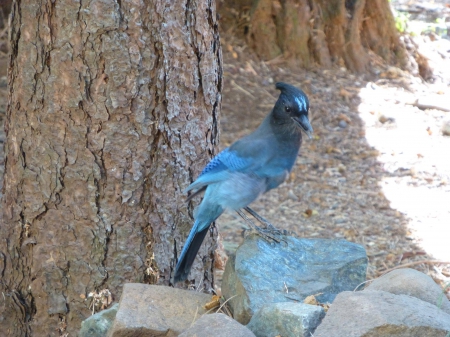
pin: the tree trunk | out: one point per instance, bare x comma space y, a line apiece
113, 110
324, 32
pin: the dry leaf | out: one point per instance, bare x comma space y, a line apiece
345, 94
391, 257
345, 118
220, 255
407, 255
331, 149
311, 299
215, 302
325, 306
350, 234
309, 213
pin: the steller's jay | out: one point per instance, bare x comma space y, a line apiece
250, 167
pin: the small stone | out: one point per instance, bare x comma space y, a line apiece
217, 325
3, 82
342, 124
446, 128
339, 220
383, 119
292, 195
286, 319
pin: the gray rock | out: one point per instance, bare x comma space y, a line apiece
151, 310
217, 325
446, 128
371, 313
342, 124
99, 324
262, 273
287, 319
3, 82
413, 283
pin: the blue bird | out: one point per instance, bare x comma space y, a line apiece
253, 165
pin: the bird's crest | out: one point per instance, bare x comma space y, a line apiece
299, 96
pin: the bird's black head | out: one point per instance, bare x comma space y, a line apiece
293, 104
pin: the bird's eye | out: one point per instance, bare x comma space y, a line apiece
288, 109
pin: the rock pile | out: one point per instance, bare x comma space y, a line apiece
266, 285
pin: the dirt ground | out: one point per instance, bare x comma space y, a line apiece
377, 171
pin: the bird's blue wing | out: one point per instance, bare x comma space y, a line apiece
216, 164
228, 159
220, 167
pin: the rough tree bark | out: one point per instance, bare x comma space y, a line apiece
323, 32
113, 110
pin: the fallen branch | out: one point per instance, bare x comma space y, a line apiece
422, 104
277, 60
412, 264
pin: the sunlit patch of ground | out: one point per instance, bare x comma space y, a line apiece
416, 155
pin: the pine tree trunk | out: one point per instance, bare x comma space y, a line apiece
113, 110
324, 32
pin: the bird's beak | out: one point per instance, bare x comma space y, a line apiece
305, 125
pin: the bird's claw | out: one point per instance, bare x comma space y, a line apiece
269, 228
271, 235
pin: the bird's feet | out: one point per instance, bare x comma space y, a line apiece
269, 233
265, 222
266, 234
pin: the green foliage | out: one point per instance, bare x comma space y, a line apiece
401, 21
404, 24
418, 28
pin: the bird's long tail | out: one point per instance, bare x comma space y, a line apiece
189, 252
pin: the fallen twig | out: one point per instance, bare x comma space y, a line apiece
428, 105
412, 264
236, 86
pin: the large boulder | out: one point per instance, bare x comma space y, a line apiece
261, 272
286, 319
217, 325
371, 313
151, 310
412, 283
